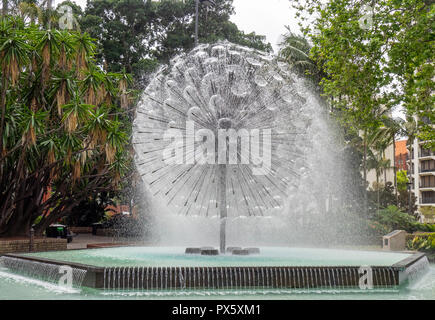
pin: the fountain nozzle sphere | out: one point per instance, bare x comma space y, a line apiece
225, 123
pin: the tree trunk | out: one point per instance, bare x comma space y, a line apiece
365, 172
395, 170
378, 187
49, 8
385, 173
3, 107
5, 8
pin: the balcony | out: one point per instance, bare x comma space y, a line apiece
427, 198
424, 153
428, 202
427, 186
426, 172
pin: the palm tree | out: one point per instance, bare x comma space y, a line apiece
5, 8
376, 161
295, 50
14, 53
392, 128
85, 47
60, 129
29, 9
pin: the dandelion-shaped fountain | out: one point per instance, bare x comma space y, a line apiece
216, 131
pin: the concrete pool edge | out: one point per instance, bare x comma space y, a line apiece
266, 277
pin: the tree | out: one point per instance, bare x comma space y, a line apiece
383, 57
378, 163
395, 219
63, 133
138, 35
402, 180
30, 10
5, 7
295, 51
89, 210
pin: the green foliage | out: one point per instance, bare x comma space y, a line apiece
295, 51
402, 180
138, 35
365, 65
428, 212
423, 227
89, 211
394, 219
37, 220
63, 133
422, 242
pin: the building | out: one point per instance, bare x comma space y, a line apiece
422, 176
402, 155
387, 174
398, 156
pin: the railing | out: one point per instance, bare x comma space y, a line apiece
426, 170
425, 153
427, 186
427, 200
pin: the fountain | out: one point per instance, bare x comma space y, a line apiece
224, 133
233, 149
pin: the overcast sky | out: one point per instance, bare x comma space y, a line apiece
265, 17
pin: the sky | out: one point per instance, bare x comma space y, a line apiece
264, 17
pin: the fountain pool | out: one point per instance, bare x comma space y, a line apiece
170, 269
174, 256
18, 285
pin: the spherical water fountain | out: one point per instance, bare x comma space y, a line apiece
216, 134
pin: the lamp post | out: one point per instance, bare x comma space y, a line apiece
206, 3
32, 239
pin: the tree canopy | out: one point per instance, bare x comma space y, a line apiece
137, 35
63, 132
377, 55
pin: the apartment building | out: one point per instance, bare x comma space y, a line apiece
402, 155
422, 174
398, 156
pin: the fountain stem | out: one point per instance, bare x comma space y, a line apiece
222, 200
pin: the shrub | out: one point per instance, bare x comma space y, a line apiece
391, 218
428, 212
422, 242
424, 227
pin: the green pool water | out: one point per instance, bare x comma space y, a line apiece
270, 256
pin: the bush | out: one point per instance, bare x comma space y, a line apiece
422, 242
424, 227
391, 218
428, 212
